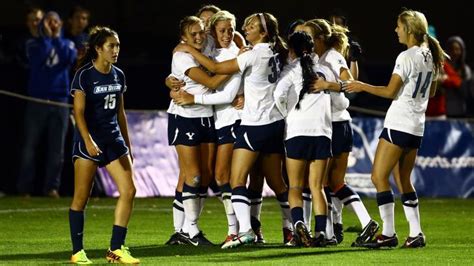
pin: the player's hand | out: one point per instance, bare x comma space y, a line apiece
244, 49
92, 148
352, 86
238, 102
174, 84
319, 84
182, 98
183, 47
355, 51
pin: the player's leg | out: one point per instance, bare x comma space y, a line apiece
317, 173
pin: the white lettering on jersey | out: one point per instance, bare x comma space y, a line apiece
107, 88
190, 135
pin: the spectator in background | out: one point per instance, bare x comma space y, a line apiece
459, 73
50, 58
437, 104
32, 20
76, 29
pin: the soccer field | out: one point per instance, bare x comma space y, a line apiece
36, 231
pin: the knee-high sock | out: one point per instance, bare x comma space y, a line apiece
178, 211
255, 203
307, 207
386, 207
285, 210
351, 199
336, 209
191, 204
76, 225
202, 198
226, 193
329, 222
412, 212
241, 204
118, 237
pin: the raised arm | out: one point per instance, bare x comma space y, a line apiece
201, 77
226, 67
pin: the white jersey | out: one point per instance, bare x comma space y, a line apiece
181, 63
313, 118
260, 71
407, 111
339, 103
225, 114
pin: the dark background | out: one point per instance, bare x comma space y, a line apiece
148, 32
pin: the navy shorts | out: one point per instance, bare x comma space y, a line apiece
308, 148
110, 151
227, 134
265, 139
401, 139
341, 137
190, 131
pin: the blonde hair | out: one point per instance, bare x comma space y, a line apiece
416, 23
222, 15
333, 35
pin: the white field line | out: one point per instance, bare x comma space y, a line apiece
62, 209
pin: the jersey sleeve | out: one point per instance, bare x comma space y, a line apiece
401, 67
183, 62
78, 82
227, 95
246, 59
281, 92
336, 61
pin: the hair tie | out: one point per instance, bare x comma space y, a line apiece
262, 21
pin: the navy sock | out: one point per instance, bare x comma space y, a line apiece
320, 223
297, 214
118, 237
76, 225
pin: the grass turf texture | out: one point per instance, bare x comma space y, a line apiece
36, 231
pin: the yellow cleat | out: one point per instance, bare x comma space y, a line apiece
80, 258
121, 255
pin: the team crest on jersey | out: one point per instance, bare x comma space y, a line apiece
107, 88
116, 79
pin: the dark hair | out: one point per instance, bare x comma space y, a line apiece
78, 9
292, 27
302, 44
211, 8
98, 36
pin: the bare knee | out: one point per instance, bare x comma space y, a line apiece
129, 193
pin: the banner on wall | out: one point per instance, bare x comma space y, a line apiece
444, 166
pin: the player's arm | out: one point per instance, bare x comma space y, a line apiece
390, 91
226, 67
79, 108
173, 83
122, 121
201, 77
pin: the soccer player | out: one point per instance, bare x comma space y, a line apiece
101, 139
262, 126
307, 134
227, 118
330, 42
415, 72
191, 128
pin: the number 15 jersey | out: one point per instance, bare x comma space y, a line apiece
407, 111
103, 93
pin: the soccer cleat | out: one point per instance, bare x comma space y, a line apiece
228, 238
177, 239
259, 236
381, 241
121, 255
338, 232
80, 258
302, 234
418, 241
331, 241
367, 233
201, 240
287, 235
241, 239
319, 240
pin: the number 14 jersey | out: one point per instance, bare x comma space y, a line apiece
407, 111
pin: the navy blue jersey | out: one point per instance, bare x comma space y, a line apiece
103, 93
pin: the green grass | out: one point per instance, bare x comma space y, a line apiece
36, 231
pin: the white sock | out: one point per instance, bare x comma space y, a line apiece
361, 212
329, 225
191, 214
241, 205
412, 213
178, 215
229, 210
336, 210
286, 215
388, 217
307, 207
256, 207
